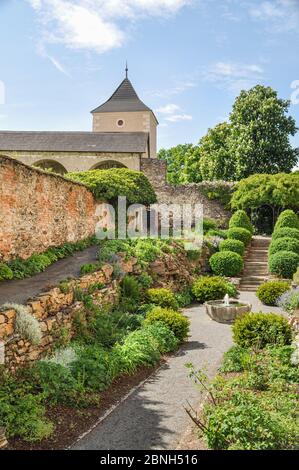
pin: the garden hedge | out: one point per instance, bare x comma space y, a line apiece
239, 233
285, 232
212, 288
226, 263
270, 291
284, 264
260, 329
232, 245
284, 244
240, 219
107, 185
287, 218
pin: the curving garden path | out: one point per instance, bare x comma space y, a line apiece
20, 290
153, 415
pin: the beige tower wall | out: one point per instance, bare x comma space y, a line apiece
137, 121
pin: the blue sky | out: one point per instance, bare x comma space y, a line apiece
188, 59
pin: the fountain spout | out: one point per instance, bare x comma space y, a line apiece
226, 300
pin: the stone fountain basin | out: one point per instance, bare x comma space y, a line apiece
223, 314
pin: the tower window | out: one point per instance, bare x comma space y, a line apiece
120, 123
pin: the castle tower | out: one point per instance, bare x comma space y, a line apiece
125, 112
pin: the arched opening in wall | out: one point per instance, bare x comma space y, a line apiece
51, 166
107, 164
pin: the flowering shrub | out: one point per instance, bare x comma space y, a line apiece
289, 301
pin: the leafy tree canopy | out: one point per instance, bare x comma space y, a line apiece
260, 131
278, 191
109, 184
177, 158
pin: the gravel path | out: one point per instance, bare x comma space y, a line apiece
20, 291
153, 416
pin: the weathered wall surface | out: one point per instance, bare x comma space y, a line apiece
191, 193
77, 161
38, 210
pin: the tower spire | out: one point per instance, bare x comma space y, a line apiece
127, 69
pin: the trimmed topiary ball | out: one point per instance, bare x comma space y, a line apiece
232, 245
284, 244
259, 329
239, 233
212, 288
240, 219
268, 292
287, 218
226, 263
285, 232
284, 264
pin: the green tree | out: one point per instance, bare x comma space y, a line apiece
276, 192
213, 161
176, 158
260, 132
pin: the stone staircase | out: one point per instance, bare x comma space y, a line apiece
255, 264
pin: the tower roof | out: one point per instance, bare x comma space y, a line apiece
124, 99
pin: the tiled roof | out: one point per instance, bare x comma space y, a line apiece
74, 141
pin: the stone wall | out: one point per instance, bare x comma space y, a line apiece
55, 311
38, 210
191, 193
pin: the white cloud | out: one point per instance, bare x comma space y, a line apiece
279, 15
94, 24
179, 117
233, 76
168, 109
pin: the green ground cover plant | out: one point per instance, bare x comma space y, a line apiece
252, 404
21, 268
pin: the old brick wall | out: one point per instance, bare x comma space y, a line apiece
191, 193
38, 210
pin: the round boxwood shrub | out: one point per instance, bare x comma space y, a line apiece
175, 321
284, 264
239, 233
259, 329
287, 218
226, 263
284, 244
285, 232
212, 288
268, 292
232, 245
162, 297
240, 219
5, 272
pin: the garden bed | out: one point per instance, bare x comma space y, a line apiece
71, 423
